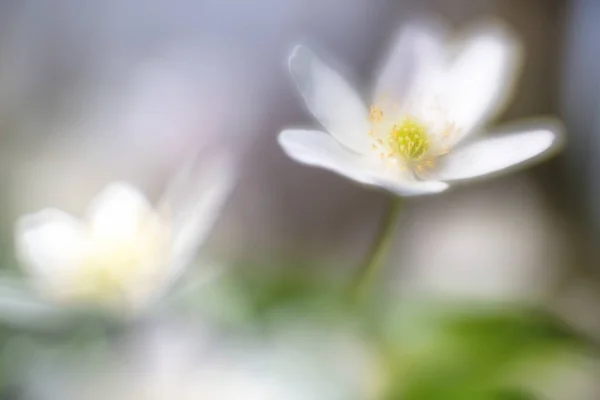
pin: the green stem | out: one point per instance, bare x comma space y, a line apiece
372, 264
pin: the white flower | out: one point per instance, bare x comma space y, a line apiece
126, 252
430, 97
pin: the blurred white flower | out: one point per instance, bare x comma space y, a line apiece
432, 95
126, 252
168, 361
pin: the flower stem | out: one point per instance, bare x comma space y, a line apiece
372, 264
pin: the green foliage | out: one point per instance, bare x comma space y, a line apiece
429, 351
471, 354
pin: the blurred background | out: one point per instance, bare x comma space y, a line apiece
91, 92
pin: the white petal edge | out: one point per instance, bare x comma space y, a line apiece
193, 203
481, 79
501, 152
417, 54
334, 103
50, 244
321, 150
118, 211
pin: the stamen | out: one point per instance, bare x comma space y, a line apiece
376, 114
405, 142
409, 139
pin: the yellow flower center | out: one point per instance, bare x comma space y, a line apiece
404, 140
409, 139
115, 269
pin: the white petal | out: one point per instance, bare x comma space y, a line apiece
331, 99
489, 155
481, 78
417, 54
193, 203
321, 150
408, 188
21, 307
51, 244
118, 211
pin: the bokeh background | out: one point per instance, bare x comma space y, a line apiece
91, 92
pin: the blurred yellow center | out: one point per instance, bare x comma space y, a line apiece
117, 268
409, 139
406, 138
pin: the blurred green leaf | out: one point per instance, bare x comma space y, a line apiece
269, 289
470, 354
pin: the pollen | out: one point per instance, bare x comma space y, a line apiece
409, 139
376, 114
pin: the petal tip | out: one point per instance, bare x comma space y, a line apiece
32, 221
286, 136
289, 141
121, 192
297, 49
551, 140
434, 187
548, 131
556, 130
299, 59
46, 235
499, 33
